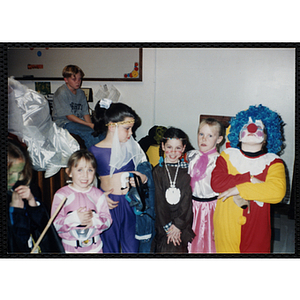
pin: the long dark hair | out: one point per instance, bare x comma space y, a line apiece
117, 112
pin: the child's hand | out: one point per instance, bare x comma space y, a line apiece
16, 200
111, 204
230, 192
175, 239
144, 178
174, 235
89, 224
85, 216
25, 193
90, 125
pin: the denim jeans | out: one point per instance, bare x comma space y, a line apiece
85, 132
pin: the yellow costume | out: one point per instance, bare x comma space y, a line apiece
236, 230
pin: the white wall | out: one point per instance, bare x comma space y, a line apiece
190, 82
179, 84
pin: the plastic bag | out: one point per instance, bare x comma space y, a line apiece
29, 118
111, 93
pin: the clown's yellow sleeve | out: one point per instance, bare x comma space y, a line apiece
271, 191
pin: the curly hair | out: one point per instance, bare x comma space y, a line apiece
271, 120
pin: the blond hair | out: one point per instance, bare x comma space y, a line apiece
72, 70
218, 125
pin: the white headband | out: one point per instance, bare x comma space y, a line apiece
105, 103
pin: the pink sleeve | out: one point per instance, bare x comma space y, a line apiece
102, 219
64, 221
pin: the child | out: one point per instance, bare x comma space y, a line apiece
85, 213
173, 194
116, 155
70, 108
201, 163
249, 170
27, 217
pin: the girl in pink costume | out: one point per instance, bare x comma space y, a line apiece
201, 163
85, 213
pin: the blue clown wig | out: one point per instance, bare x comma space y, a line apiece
271, 121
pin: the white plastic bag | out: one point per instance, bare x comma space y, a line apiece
110, 93
49, 146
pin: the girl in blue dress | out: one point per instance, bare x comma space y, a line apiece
116, 154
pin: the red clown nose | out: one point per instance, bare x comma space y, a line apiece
252, 128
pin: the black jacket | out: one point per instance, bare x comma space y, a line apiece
23, 222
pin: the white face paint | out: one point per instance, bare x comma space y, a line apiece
252, 133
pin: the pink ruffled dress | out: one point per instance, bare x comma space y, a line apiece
204, 200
